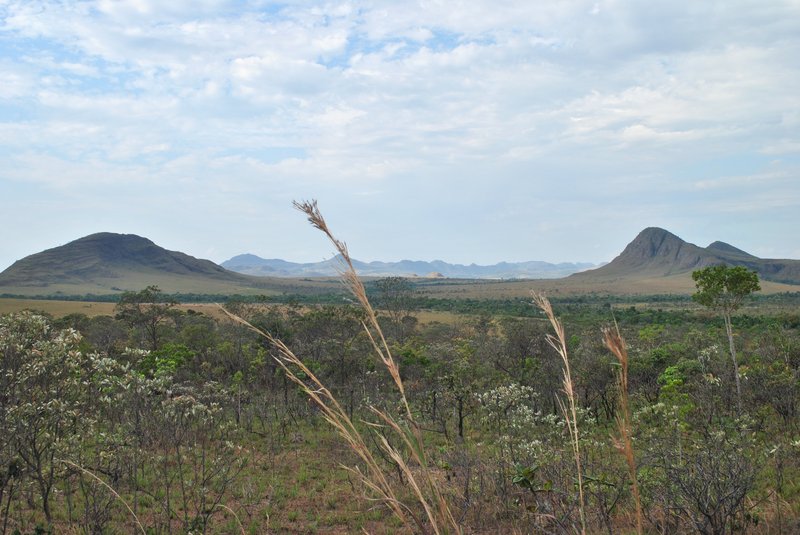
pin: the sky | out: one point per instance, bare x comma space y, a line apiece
466, 131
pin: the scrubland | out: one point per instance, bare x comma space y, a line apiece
596, 415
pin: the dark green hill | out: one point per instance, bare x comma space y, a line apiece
107, 263
656, 253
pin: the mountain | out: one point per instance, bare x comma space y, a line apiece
108, 263
253, 265
655, 262
656, 253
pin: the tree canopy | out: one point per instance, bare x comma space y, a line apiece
724, 287
145, 309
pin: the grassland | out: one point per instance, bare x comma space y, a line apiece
58, 309
447, 299
483, 289
170, 283
435, 288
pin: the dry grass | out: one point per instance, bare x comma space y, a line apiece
430, 512
59, 309
616, 344
559, 343
56, 308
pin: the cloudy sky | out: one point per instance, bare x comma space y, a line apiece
467, 131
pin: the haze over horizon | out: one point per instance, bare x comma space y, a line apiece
474, 132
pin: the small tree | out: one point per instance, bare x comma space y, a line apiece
396, 299
146, 310
723, 288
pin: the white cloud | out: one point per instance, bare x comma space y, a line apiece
782, 146
529, 99
759, 181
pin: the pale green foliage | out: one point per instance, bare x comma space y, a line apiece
508, 412
526, 434
62, 409
48, 392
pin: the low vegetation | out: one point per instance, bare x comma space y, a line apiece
579, 415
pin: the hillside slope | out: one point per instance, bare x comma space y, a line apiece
108, 263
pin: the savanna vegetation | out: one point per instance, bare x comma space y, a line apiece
577, 416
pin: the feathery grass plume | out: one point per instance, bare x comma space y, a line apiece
106, 485
438, 517
616, 344
356, 287
559, 343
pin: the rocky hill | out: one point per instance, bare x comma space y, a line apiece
656, 252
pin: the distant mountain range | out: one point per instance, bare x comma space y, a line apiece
106, 263
253, 265
656, 252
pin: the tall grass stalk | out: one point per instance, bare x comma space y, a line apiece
616, 344
109, 487
437, 516
231, 511
559, 343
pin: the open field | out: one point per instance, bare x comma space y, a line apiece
169, 283
56, 308
483, 289
59, 309
440, 288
